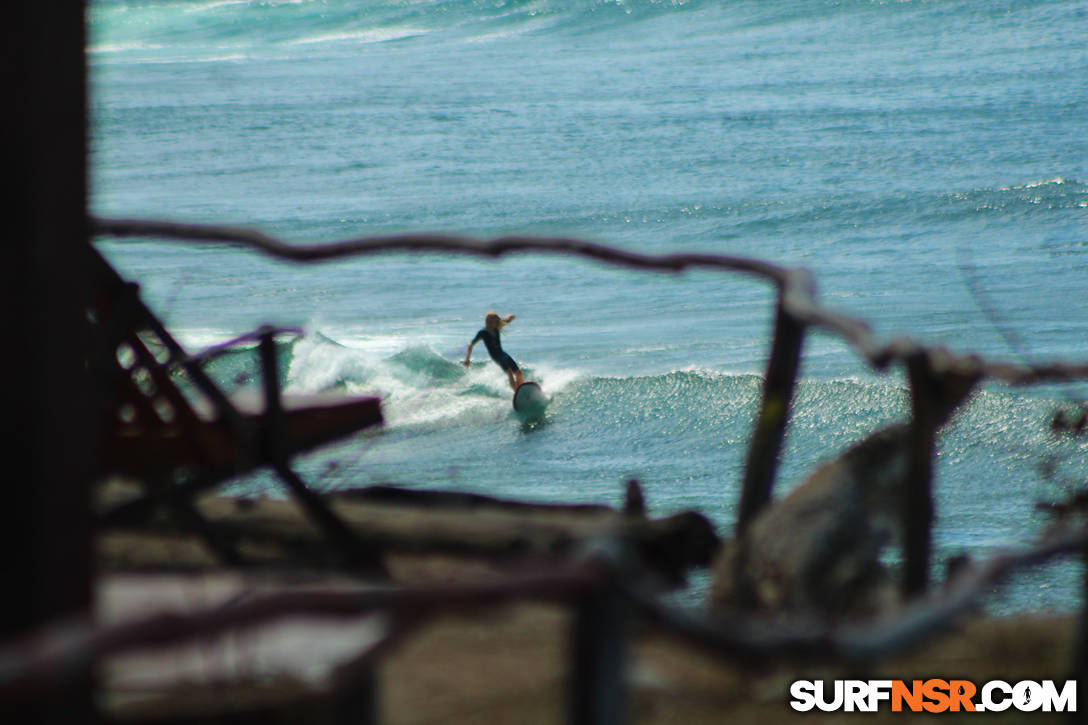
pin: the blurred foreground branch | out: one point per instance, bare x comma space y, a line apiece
56, 653
796, 287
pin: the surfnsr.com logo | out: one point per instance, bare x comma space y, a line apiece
933, 695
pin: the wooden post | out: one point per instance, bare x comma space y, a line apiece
770, 428
597, 686
361, 557
48, 402
918, 498
938, 386
356, 701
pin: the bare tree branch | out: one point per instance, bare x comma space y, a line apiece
751, 641
51, 655
795, 285
433, 243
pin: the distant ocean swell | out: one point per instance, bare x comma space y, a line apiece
307, 26
423, 387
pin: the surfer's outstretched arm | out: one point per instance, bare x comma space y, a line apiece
468, 353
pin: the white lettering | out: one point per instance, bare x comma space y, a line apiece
1065, 701
994, 696
1027, 696
855, 696
835, 703
988, 700
803, 693
878, 690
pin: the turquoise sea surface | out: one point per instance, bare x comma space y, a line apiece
927, 161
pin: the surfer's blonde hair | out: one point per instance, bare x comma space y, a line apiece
493, 317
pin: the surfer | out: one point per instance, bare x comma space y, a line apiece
490, 335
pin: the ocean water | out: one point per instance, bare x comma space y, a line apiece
927, 161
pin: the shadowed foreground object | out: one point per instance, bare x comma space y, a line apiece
170, 424
48, 400
816, 552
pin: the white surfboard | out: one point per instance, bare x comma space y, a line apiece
530, 401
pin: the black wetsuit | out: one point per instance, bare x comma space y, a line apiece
494, 348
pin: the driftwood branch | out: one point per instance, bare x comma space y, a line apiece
752, 641
431, 243
768, 436
60, 651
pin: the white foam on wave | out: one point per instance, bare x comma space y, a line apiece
411, 396
478, 397
216, 4
386, 343
532, 21
124, 47
197, 339
554, 379
364, 35
178, 58
319, 364
1056, 181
